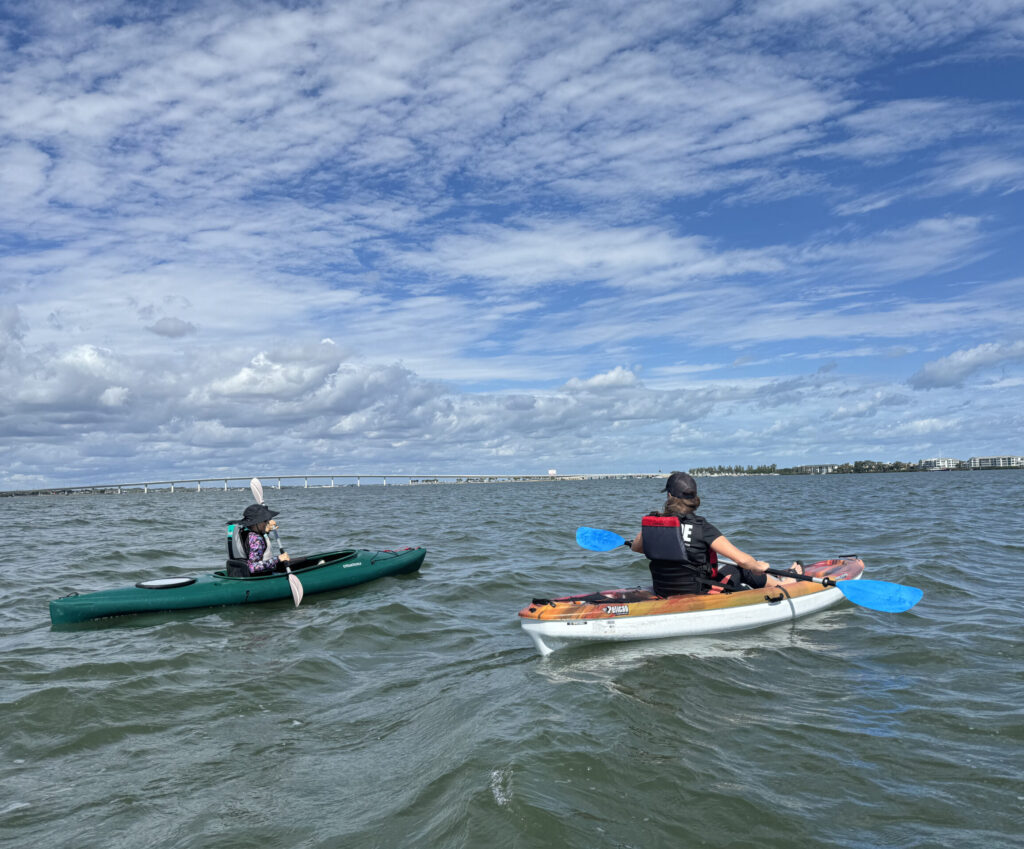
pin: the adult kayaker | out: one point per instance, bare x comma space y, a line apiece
256, 522
684, 557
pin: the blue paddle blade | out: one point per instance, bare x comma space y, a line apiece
880, 595
597, 540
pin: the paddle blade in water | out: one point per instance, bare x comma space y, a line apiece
296, 587
597, 540
881, 595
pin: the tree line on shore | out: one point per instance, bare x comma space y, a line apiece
857, 467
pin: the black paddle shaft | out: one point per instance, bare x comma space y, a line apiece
785, 573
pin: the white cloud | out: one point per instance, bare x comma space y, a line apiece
974, 170
957, 367
895, 128
23, 171
928, 245
560, 253
617, 378
927, 426
114, 396
979, 170
12, 331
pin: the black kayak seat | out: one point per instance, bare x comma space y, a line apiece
236, 568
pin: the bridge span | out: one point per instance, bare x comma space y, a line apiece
278, 481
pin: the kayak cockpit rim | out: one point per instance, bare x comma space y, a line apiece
317, 561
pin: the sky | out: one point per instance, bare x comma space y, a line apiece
496, 237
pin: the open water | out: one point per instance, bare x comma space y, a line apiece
413, 712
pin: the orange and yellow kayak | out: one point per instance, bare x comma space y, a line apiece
638, 614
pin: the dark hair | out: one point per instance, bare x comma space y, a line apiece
681, 506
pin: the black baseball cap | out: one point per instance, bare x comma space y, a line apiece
680, 485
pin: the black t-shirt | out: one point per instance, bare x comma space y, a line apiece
698, 534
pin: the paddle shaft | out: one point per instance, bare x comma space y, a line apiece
294, 584
257, 492
277, 539
785, 573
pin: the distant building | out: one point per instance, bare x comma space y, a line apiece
939, 464
818, 470
552, 471
997, 462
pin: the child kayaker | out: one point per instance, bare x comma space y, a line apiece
702, 542
256, 522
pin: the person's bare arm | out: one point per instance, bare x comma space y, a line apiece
726, 549
638, 542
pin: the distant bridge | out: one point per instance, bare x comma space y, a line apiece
197, 484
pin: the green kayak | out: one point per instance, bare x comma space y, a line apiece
318, 573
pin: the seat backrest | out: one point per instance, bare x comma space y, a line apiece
237, 568
663, 539
237, 549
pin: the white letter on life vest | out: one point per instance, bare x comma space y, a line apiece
687, 530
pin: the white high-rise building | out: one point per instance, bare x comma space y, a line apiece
997, 462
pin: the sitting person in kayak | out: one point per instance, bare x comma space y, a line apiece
250, 541
683, 548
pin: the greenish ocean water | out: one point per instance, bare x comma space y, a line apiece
413, 712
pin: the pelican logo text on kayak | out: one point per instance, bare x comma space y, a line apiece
616, 609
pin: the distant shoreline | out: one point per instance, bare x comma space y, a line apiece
785, 473
183, 484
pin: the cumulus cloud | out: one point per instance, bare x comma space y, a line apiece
617, 378
956, 368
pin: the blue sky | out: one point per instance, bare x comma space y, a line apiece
479, 237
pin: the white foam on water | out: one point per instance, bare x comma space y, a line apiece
501, 786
